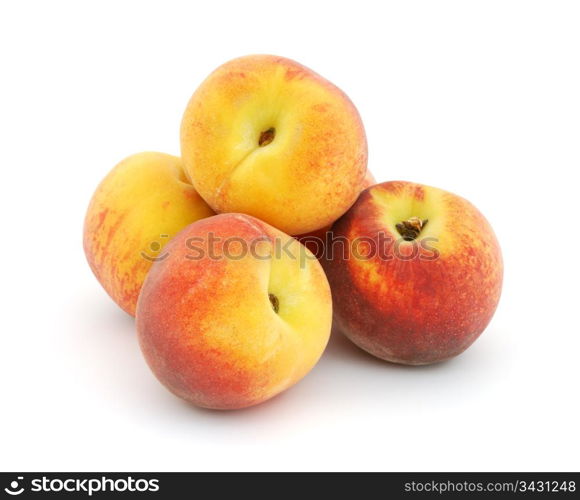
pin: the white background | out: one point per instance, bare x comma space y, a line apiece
480, 98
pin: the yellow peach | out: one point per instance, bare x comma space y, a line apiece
237, 313
266, 136
144, 201
417, 275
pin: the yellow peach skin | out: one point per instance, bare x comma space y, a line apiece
315, 240
236, 313
266, 136
144, 201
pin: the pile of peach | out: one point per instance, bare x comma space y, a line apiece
230, 309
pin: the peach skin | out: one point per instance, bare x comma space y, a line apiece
266, 136
315, 240
237, 313
137, 208
420, 275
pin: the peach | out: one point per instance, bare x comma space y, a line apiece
237, 313
136, 209
415, 272
266, 136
